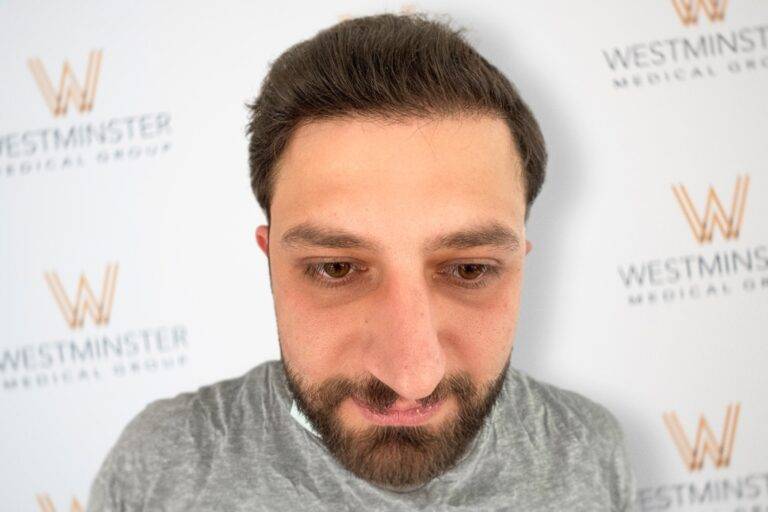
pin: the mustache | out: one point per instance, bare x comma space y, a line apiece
380, 397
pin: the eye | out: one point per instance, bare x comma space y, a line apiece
472, 275
332, 273
338, 273
470, 271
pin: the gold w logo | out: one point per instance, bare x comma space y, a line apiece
688, 10
703, 226
46, 505
85, 300
705, 443
70, 89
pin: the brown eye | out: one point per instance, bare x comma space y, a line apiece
470, 271
334, 273
337, 269
472, 275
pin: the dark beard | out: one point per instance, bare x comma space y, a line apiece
396, 457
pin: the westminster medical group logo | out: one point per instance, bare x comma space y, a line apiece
85, 300
70, 90
81, 135
689, 10
88, 351
714, 214
701, 43
708, 453
694, 450
721, 263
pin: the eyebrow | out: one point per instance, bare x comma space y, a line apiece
493, 233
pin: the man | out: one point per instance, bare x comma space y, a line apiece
396, 168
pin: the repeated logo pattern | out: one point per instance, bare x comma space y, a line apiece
85, 301
69, 90
689, 10
705, 442
714, 214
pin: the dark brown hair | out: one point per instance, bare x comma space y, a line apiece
387, 66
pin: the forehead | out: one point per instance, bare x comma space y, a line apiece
399, 176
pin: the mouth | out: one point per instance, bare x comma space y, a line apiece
408, 417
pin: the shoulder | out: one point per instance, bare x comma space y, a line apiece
573, 431
548, 411
170, 435
210, 411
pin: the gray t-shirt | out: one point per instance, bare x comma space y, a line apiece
235, 446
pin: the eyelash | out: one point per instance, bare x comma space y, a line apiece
314, 271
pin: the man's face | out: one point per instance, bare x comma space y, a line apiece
396, 255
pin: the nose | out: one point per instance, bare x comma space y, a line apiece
403, 350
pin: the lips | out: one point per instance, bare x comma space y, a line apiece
412, 416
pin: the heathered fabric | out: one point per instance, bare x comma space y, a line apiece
234, 446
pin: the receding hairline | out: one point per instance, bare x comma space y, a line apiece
518, 164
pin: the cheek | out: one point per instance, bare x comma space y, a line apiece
315, 340
494, 311
478, 336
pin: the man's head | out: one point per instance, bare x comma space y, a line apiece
396, 168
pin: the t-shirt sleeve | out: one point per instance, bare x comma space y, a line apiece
621, 471
110, 490
116, 486
607, 434
148, 445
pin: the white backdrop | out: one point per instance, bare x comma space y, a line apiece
139, 198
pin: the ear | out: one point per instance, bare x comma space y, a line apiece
262, 238
528, 246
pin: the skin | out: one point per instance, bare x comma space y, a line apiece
405, 327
